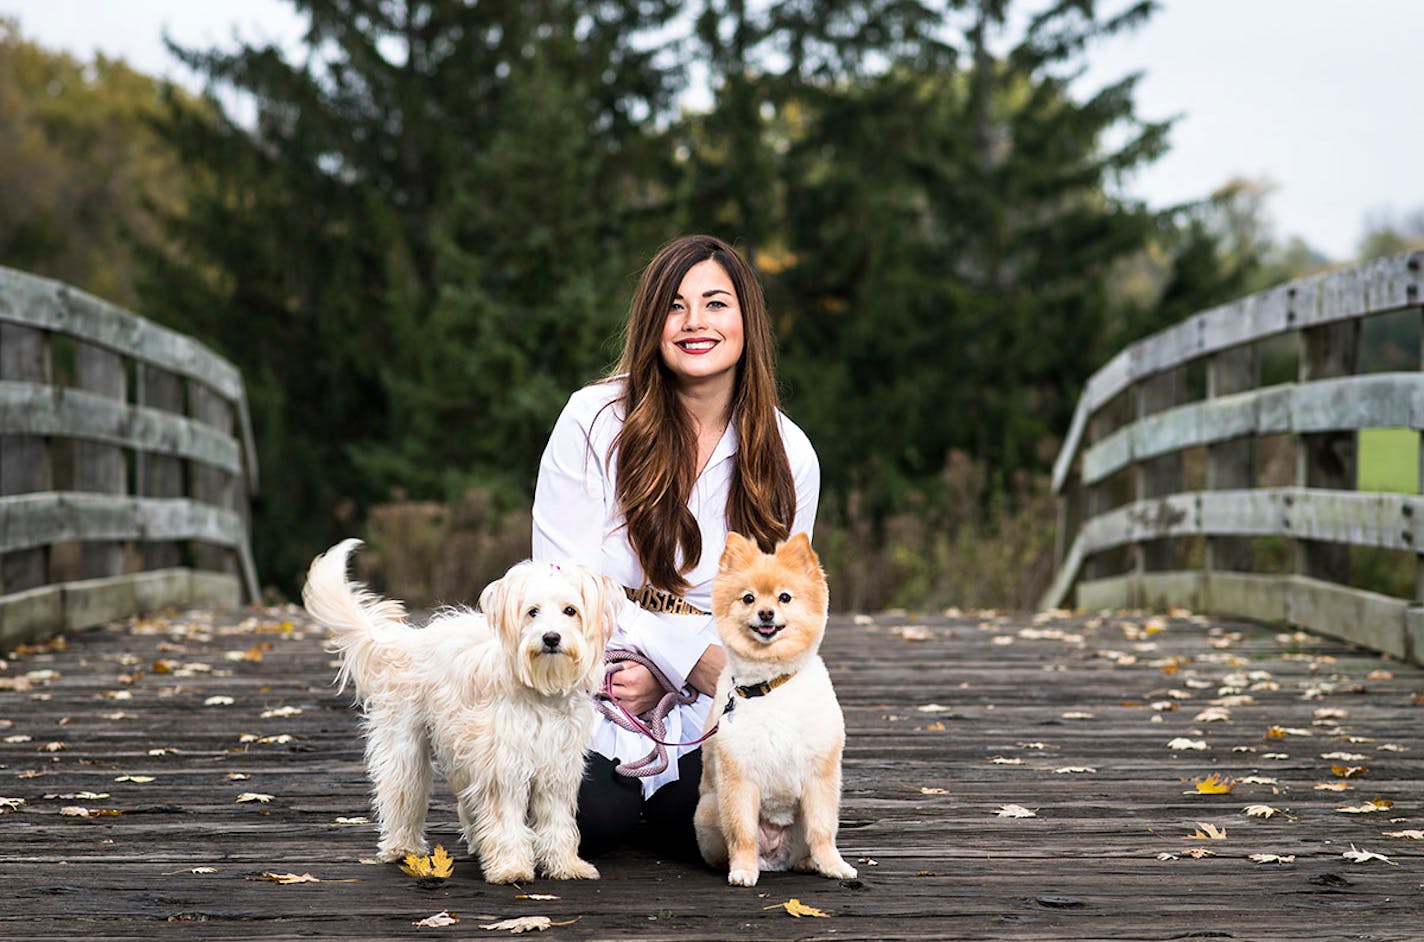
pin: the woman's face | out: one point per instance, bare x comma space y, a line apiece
702, 336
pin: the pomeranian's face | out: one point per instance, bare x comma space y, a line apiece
770, 606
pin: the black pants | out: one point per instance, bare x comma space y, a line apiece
612, 810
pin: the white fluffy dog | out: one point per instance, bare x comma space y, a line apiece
498, 699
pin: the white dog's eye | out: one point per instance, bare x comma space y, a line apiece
784, 598
570, 611
748, 599
533, 612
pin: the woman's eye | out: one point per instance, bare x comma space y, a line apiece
784, 598
748, 599
534, 612
570, 611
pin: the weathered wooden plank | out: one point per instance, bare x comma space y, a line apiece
1382, 400
27, 617
99, 467
24, 459
160, 475
30, 520
1359, 518
32, 409
33, 301
921, 790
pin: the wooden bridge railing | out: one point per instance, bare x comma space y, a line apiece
1149, 521
126, 461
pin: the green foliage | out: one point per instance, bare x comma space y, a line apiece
81, 165
418, 235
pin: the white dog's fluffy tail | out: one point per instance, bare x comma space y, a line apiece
362, 624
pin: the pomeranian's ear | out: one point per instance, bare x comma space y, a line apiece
738, 552
797, 552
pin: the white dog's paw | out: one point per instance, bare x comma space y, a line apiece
576, 869
743, 877
509, 875
395, 853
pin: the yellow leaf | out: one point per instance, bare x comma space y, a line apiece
795, 907
1214, 784
438, 866
1347, 771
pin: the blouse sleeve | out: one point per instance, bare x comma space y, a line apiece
570, 496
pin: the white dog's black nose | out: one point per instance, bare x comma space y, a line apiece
551, 640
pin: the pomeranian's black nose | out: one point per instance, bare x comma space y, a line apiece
551, 640
767, 615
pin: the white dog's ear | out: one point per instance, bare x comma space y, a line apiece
501, 601
602, 599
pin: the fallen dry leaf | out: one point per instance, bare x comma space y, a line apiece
197, 870
438, 920
1015, 811
1183, 743
536, 896
525, 924
1411, 835
254, 796
1348, 771
136, 779
1207, 832
1075, 770
1213, 784
438, 866
1260, 811
1369, 807
795, 907
1197, 853
1364, 856
288, 878
934, 791
1273, 858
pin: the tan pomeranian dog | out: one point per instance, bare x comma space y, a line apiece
771, 776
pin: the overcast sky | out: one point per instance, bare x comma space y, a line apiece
1319, 97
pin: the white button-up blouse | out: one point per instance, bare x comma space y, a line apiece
576, 518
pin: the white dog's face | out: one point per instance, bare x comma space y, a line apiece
553, 622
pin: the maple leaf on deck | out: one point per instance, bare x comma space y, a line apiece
1214, 784
438, 866
794, 907
1207, 832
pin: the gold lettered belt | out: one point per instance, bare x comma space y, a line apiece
656, 600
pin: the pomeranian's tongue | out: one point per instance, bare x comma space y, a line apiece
766, 631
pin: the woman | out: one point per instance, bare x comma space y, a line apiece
644, 474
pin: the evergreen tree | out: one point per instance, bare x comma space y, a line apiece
383, 210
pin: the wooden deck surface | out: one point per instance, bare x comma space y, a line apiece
155, 729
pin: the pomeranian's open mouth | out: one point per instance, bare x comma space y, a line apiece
765, 632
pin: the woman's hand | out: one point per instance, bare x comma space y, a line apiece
635, 688
704, 674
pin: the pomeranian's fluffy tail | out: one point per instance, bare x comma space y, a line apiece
362, 624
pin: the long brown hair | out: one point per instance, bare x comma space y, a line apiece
657, 445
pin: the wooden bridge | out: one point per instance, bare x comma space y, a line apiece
161, 778
1099, 774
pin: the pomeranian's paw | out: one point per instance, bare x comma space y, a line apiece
743, 877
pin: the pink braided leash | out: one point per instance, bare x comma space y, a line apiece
656, 728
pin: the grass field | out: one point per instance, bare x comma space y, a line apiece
1389, 460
